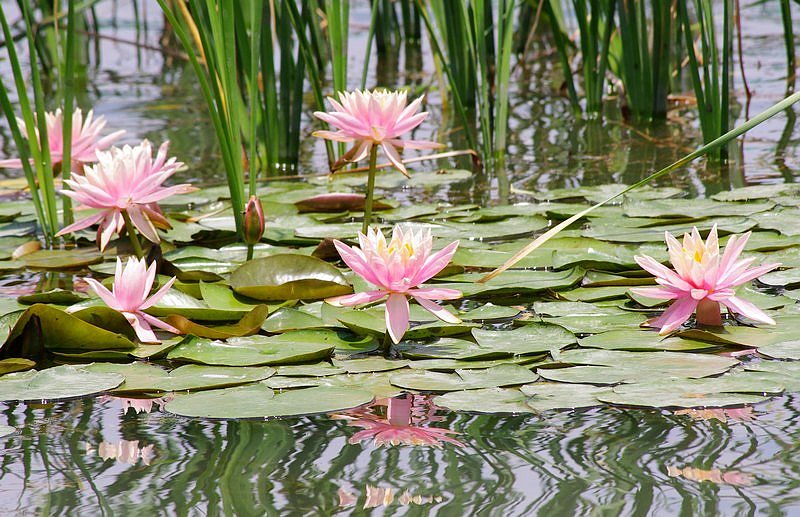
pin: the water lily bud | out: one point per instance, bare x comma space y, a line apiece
253, 221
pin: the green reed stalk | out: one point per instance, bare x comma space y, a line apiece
453, 73
218, 82
645, 63
717, 143
594, 58
68, 86
34, 152
552, 10
713, 89
368, 201
256, 8
788, 40
505, 41
308, 40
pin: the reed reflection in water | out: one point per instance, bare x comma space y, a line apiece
87, 456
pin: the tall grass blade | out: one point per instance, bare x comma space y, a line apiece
705, 149
67, 80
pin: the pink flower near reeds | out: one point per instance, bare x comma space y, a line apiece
86, 139
371, 118
128, 181
129, 296
702, 280
398, 268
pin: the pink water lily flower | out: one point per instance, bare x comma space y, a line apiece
132, 285
129, 181
702, 280
398, 268
377, 117
86, 139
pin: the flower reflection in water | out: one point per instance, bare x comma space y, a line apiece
124, 451
731, 477
399, 420
379, 496
743, 414
138, 405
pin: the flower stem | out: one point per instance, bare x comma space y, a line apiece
137, 246
250, 251
373, 158
708, 313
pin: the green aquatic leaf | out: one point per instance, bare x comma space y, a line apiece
545, 396
784, 221
459, 364
259, 401
486, 400
498, 376
531, 338
669, 364
289, 277
15, 364
369, 364
287, 318
252, 351
684, 393
788, 278
613, 232
697, 208
322, 369
599, 323
178, 303
446, 348
60, 382
97, 328
148, 378
62, 259
635, 340
249, 324
54, 296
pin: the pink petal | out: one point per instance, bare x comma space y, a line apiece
143, 224
675, 315
747, 309
435, 293
658, 293
733, 249
437, 310
654, 267
435, 263
81, 224
350, 300
355, 260
141, 327
752, 274
103, 293
394, 157
160, 324
11, 164
158, 294
337, 136
397, 315
416, 144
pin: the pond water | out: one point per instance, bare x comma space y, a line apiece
100, 456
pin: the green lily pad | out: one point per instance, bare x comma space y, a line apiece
641, 341
684, 393
691, 208
62, 259
784, 221
447, 348
289, 277
566, 308
251, 351
142, 377
60, 382
62, 331
321, 369
616, 233
55, 296
644, 365
15, 364
458, 364
259, 401
249, 324
424, 380
784, 278
487, 400
545, 396
369, 364
599, 323
531, 338
181, 304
